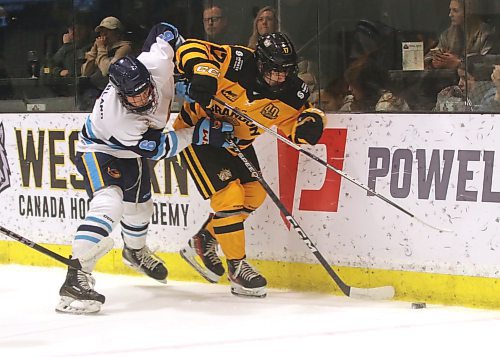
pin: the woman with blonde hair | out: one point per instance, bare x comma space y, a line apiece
466, 35
266, 21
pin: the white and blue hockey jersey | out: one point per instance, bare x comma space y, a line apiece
114, 130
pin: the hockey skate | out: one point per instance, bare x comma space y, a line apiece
78, 295
144, 261
245, 280
204, 246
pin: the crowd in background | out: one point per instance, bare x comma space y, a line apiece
460, 64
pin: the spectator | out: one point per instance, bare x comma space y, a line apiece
331, 98
491, 100
369, 86
476, 37
68, 59
108, 47
473, 89
215, 24
266, 21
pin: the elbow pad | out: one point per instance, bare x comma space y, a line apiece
309, 127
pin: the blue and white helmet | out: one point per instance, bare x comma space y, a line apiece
130, 77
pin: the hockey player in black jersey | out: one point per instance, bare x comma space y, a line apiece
265, 85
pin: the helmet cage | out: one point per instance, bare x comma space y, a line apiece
275, 53
131, 78
129, 102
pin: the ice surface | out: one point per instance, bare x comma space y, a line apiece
144, 318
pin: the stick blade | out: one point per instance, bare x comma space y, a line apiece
380, 293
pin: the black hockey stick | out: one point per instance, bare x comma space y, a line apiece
383, 292
327, 165
74, 263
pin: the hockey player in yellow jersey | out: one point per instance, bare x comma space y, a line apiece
264, 85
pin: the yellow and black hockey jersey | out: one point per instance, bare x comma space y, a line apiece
236, 70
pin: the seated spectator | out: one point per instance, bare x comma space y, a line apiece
266, 21
108, 47
68, 59
331, 98
215, 24
491, 100
475, 38
473, 88
369, 86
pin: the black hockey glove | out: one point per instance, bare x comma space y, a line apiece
309, 126
203, 84
212, 132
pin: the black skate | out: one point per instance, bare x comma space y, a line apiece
204, 246
245, 280
144, 261
78, 295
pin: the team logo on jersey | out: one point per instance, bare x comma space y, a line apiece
225, 174
4, 164
229, 95
270, 111
114, 173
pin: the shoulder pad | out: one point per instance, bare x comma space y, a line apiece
240, 58
296, 94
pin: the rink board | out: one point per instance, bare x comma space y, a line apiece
441, 168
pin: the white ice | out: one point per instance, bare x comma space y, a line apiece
144, 318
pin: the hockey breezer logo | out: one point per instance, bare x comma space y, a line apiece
4, 164
225, 174
114, 173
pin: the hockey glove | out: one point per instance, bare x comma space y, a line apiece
203, 83
212, 132
171, 35
167, 32
309, 127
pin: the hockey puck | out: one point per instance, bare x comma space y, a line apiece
418, 305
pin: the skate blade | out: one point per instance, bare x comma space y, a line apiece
189, 256
240, 291
68, 305
139, 270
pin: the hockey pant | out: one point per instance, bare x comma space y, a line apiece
233, 193
120, 192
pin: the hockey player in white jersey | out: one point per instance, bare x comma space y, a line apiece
124, 130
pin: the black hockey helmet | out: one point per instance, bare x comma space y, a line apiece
130, 77
275, 52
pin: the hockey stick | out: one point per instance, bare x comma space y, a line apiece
327, 165
74, 263
383, 292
